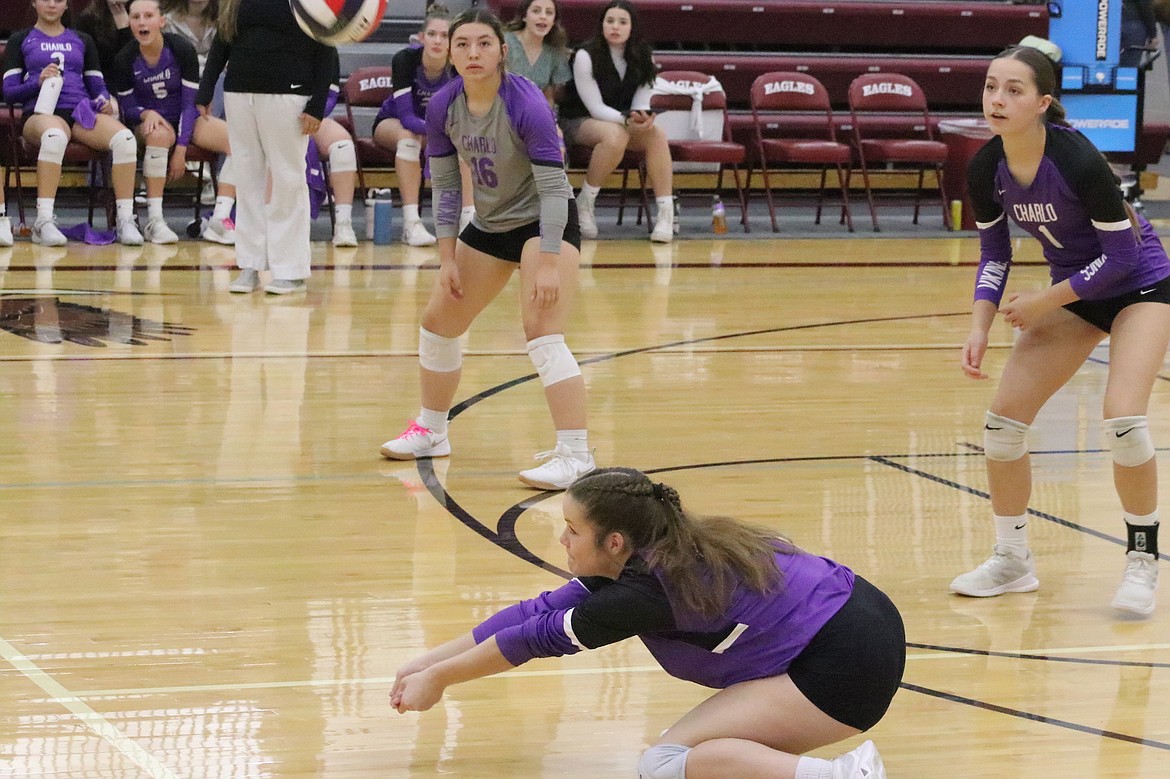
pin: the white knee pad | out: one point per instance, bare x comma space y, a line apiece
408, 149
664, 761
123, 148
438, 353
1003, 438
154, 162
342, 158
53, 143
553, 360
1129, 438
227, 172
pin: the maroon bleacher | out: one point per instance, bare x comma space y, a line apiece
950, 83
917, 25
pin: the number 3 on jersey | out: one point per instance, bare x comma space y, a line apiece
483, 172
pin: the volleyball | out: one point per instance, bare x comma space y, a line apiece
338, 21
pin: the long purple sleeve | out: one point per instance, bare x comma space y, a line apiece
404, 112
511, 625
17, 89
1119, 260
995, 259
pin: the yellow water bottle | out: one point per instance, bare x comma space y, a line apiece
718, 216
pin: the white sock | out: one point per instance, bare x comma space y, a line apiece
410, 213
44, 208
223, 207
588, 193
125, 209
154, 208
576, 440
344, 212
665, 207
814, 768
3, 208
1147, 520
435, 421
1011, 534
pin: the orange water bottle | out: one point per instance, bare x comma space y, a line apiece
718, 216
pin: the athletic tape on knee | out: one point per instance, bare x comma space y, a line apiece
408, 149
342, 158
552, 358
1003, 438
227, 173
154, 162
53, 143
437, 353
664, 761
123, 148
1129, 438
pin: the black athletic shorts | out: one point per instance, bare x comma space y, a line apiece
853, 666
510, 245
1101, 313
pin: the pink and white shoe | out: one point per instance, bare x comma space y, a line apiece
414, 442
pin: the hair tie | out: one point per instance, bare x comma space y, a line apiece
657, 489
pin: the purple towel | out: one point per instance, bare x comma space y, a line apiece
83, 232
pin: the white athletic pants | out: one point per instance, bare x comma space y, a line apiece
265, 135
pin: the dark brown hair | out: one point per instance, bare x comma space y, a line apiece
639, 56
703, 558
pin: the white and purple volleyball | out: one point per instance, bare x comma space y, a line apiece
335, 22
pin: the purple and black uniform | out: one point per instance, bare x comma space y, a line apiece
75, 54
514, 154
1074, 208
168, 87
411, 90
757, 637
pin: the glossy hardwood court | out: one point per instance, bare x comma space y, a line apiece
206, 570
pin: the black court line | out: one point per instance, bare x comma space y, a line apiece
1026, 656
1033, 512
948, 696
459, 408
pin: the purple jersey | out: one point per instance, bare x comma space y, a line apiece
75, 55
411, 90
1074, 208
756, 637
168, 86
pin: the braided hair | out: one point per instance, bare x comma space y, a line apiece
702, 558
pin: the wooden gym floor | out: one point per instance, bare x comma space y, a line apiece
207, 571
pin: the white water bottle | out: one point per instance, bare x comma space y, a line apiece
47, 99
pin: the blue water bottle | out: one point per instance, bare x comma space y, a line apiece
383, 221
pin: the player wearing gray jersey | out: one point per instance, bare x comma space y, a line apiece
1110, 277
502, 127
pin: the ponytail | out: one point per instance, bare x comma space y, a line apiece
703, 559
1056, 114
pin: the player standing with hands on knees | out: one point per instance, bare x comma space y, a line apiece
503, 128
1110, 278
274, 96
803, 652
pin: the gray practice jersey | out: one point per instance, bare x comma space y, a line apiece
514, 154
